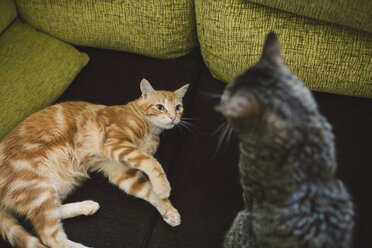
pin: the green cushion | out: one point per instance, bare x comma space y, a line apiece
161, 29
35, 69
355, 13
7, 13
328, 57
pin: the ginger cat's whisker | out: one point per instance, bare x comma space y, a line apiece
189, 119
188, 126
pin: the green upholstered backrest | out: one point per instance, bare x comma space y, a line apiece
355, 13
7, 13
327, 57
161, 29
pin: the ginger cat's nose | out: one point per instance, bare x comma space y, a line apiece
173, 118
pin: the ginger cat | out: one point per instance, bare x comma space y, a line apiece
52, 151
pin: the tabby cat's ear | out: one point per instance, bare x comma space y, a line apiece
146, 88
182, 91
271, 51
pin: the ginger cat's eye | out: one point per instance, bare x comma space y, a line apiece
178, 107
160, 107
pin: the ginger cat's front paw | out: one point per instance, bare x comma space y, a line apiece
161, 186
173, 218
69, 244
169, 213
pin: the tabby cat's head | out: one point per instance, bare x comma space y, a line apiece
162, 108
266, 96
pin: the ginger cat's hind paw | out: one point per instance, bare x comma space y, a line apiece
89, 207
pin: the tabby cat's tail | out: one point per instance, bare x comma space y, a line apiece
15, 234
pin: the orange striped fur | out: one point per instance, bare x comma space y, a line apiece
53, 150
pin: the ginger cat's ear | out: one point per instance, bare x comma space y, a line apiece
146, 88
182, 91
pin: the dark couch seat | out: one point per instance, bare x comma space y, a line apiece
205, 187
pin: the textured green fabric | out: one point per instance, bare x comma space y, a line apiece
352, 13
156, 28
328, 57
7, 13
35, 69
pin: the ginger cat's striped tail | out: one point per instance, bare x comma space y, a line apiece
15, 234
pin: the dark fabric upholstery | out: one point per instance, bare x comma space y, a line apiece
205, 186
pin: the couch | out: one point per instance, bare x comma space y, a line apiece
170, 43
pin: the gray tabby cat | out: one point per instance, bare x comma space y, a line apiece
287, 161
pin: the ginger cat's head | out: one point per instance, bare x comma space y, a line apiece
162, 109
